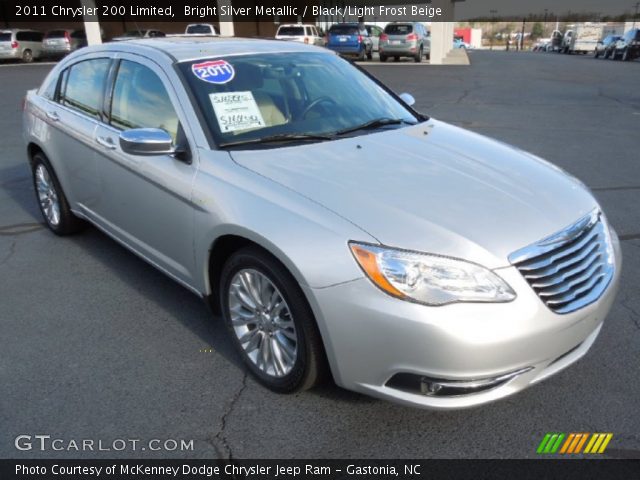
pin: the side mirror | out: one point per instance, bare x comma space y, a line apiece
147, 142
407, 98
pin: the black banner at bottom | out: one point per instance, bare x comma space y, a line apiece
600, 469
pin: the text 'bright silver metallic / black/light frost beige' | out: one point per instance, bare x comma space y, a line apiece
336, 230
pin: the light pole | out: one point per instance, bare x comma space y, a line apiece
493, 13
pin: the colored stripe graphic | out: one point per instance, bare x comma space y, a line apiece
552, 442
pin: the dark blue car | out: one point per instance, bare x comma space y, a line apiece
350, 39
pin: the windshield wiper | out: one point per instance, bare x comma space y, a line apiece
281, 137
372, 124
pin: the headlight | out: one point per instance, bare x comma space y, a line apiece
429, 279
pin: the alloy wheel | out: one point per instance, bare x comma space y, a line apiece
262, 322
47, 196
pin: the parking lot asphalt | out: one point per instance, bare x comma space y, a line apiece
96, 344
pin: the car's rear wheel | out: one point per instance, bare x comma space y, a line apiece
625, 55
362, 54
396, 58
418, 56
596, 53
52, 200
27, 56
271, 324
383, 58
613, 54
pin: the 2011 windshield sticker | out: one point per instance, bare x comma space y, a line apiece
236, 111
214, 71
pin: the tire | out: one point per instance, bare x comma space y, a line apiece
370, 54
361, 55
605, 55
625, 55
52, 200
305, 364
613, 54
395, 59
596, 54
383, 58
418, 57
27, 56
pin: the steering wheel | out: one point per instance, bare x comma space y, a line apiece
317, 102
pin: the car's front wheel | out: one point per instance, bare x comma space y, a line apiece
625, 55
52, 200
271, 324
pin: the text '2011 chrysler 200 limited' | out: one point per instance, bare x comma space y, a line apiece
334, 228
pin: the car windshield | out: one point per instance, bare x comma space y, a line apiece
398, 29
343, 30
291, 31
298, 95
196, 29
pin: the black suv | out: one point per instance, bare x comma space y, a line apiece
628, 47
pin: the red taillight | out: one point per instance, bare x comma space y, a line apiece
412, 36
67, 38
384, 37
359, 38
15, 44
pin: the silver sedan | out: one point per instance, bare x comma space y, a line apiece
335, 229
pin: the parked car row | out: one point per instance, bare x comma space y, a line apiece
29, 45
624, 47
396, 40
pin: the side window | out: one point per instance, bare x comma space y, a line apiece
83, 87
141, 101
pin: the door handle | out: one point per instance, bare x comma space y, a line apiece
106, 142
53, 116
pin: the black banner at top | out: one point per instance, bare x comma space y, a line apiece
280, 11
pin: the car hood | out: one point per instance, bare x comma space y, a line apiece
432, 188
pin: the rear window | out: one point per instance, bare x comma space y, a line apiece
56, 34
5, 37
396, 29
343, 30
291, 31
198, 29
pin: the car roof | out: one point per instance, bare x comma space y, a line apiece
192, 48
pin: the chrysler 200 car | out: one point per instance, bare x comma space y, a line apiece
334, 228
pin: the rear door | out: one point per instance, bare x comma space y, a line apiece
146, 200
72, 117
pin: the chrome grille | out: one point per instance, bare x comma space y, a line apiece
572, 268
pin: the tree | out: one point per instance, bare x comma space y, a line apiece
537, 31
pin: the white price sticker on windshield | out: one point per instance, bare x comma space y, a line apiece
236, 111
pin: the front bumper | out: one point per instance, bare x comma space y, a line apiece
371, 337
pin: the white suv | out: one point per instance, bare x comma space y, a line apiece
300, 33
